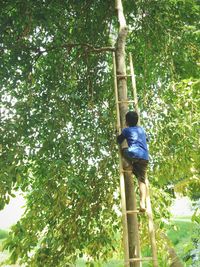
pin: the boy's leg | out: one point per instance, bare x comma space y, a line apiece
142, 188
139, 169
125, 155
124, 152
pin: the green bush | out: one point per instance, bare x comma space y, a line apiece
3, 234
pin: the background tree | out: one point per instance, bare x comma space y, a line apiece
58, 141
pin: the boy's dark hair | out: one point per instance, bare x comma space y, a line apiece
131, 118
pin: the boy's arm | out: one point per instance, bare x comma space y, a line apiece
147, 137
120, 139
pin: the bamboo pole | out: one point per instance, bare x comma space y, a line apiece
134, 87
133, 82
148, 201
151, 226
130, 195
122, 184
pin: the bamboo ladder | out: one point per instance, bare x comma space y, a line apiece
125, 212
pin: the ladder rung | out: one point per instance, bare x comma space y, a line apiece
122, 75
140, 259
126, 101
127, 171
135, 211
132, 211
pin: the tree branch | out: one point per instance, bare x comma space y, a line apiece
87, 47
92, 48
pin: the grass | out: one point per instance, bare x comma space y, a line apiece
181, 233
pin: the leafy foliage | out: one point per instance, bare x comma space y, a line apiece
3, 234
58, 140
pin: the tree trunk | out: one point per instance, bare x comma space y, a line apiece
133, 238
175, 261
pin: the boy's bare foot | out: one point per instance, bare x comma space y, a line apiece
142, 209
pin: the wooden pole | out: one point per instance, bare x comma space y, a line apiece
116, 95
148, 201
122, 184
133, 84
132, 222
151, 226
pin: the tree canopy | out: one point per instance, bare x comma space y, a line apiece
58, 123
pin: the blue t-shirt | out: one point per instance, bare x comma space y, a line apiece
137, 144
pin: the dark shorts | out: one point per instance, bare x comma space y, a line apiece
139, 166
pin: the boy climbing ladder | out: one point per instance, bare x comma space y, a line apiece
137, 152
136, 162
